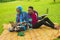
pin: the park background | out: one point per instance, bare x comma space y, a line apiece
8, 9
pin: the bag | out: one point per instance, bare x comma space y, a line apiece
20, 33
22, 28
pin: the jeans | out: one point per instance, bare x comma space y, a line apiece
45, 21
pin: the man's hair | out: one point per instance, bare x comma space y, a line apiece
31, 7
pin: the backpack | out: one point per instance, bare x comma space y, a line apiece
36, 13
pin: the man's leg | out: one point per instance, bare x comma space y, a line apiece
43, 22
38, 24
48, 21
52, 26
39, 18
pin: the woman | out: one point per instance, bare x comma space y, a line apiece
21, 20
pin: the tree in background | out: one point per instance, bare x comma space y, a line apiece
37, 0
28, 0
34, 0
54, 1
6, 0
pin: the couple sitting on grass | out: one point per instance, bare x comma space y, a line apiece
29, 20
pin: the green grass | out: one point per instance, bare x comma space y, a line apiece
57, 39
8, 10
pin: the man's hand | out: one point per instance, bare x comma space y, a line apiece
38, 20
44, 15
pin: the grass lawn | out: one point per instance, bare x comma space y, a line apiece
8, 10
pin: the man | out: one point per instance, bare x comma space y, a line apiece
37, 23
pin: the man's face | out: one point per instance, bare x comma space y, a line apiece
18, 11
30, 11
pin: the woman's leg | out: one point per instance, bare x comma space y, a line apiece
11, 29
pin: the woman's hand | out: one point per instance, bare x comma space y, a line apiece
23, 22
27, 26
18, 23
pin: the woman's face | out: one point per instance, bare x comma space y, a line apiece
18, 11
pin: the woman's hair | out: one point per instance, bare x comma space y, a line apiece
20, 8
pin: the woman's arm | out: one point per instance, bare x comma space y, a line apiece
16, 18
